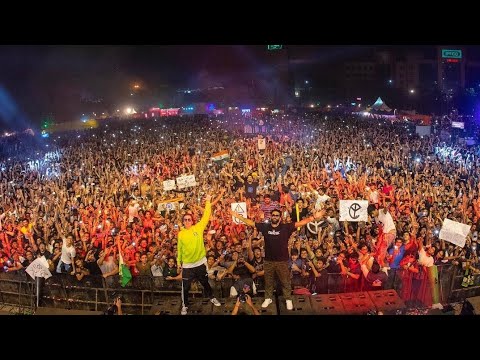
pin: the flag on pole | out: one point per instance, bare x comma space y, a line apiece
297, 210
123, 271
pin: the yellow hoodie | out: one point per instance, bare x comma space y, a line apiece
190, 247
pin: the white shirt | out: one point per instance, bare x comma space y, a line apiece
132, 211
321, 199
156, 270
387, 221
68, 253
425, 260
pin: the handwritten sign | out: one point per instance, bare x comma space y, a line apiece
261, 144
454, 232
39, 268
186, 181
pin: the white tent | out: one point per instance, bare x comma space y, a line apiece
379, 105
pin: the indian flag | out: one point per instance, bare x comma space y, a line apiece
221, 157
123, 271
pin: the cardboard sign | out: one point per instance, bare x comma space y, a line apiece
186, 181
454, 232
39, 268
261, 144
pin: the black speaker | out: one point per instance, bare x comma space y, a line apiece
471, 306
387, 302
59, 311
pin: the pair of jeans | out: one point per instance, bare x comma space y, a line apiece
63, 268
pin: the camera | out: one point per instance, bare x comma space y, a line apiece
242, 297
113, 309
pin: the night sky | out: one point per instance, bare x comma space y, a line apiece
44, 79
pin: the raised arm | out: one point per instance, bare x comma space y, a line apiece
317, 216
206, 213
241, 218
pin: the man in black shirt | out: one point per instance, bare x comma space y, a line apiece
276, 237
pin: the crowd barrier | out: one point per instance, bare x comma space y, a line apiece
144, 292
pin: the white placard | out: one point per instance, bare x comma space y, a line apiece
168, 185
261, 144
454, 232
353, 210
186, 181
240, 209
39, 268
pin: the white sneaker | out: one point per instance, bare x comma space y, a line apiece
289, 304
184, 310
215, 302
233, 292
266, 302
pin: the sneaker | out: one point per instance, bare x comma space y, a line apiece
289, 304
215, 302
266, 302
184, 310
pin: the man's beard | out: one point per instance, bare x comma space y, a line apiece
275, 220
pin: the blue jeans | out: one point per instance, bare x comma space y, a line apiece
65, 267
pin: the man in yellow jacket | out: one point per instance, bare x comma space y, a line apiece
191, 255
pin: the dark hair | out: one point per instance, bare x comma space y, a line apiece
375, 267
354, 255
294, 251
371, 208
362, 244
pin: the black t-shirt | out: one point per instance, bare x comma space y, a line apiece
241, 270
251, 189
93, 267
276, 240
302, 215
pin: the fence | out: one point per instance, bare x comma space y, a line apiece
97, 293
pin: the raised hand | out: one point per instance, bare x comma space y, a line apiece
319, 214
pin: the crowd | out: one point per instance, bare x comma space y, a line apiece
81, 198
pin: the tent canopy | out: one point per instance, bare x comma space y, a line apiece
379, 105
